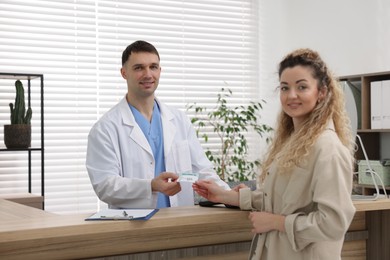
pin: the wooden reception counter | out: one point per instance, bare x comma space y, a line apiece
186, 232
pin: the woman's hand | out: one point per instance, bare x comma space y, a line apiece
208, 189
239, 186
212, 192
264, 221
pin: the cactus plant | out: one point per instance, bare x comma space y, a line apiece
18, 111
17, 135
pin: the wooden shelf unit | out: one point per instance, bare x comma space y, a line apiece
370, 137
377, 221
370, 189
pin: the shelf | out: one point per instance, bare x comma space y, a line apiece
19, 76
371, 138
373, 130
370, 189
363, 82
21, 149
29, 77
372, 186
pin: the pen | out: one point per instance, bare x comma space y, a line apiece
116, 217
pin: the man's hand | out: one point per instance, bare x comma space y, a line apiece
166, 183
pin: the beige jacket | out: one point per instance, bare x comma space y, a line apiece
316, 200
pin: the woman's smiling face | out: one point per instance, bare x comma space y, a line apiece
299, 93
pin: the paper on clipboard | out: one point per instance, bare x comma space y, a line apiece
123, 214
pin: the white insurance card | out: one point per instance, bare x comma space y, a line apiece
188, 177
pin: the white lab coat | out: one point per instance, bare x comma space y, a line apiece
120, 162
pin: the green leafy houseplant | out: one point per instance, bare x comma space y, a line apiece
18, 133
231, 124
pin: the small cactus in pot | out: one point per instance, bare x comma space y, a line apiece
18, 133
18, 111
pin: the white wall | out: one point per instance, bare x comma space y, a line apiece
352, 36
271, 28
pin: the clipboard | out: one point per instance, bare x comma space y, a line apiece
123, 214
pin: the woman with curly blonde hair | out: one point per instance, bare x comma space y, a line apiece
293, 144
302, 207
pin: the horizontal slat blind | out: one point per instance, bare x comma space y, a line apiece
204, 45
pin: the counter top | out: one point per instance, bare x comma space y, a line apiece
26, 231
380, 204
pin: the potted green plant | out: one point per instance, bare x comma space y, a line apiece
231, 124
18, 133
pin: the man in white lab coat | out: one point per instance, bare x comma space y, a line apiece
138, 149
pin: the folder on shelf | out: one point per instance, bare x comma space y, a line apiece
376, 106
386, 104
123, 214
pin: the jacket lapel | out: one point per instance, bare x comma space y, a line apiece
169, 129
136, 133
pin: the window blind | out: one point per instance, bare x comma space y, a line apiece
204, 45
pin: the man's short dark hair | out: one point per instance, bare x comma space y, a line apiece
138, 46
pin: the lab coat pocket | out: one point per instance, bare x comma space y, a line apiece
182, 157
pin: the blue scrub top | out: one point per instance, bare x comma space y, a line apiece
153, 132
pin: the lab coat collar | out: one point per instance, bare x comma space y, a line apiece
169, 129
135, 132
127, 115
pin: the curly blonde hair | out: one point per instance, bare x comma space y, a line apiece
292, 147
